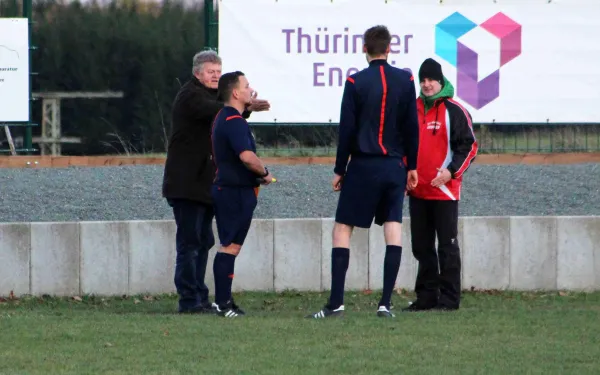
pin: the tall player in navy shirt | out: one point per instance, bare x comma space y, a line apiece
239, 174
378, 129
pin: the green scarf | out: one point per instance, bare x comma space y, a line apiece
446, 92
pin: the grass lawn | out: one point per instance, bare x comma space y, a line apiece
493, 333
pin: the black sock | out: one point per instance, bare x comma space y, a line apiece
340, 257
391, 265
223, 267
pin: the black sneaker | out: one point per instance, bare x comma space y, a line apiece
327, 312
228, 311
384, 312
237, 309
416, 306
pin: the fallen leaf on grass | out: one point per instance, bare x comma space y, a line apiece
367, 292
108, 345
136, 301
166, 333
148, 298
563, 294
77, 298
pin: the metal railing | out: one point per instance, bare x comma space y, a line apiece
321, 139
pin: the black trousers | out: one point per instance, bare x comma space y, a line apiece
438, 275
194, 239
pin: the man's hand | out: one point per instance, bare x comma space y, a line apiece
443, 177
412, 180
267, 179
337, 182
259, 105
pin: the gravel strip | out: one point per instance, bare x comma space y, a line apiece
134, 192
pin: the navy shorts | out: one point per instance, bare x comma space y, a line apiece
234, 208
373, 188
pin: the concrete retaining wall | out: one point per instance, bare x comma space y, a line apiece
131, 257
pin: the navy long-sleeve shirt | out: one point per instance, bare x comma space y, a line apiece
378, 116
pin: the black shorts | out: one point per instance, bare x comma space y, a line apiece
373, 188
234, 208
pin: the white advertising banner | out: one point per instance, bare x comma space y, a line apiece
519, 62
14, 70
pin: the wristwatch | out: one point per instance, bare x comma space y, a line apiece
266, 173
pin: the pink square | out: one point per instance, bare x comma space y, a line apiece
510, 46
500, 25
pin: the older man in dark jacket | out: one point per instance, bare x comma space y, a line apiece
188, 176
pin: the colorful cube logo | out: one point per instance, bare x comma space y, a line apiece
478, 52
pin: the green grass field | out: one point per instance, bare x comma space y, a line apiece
493, 333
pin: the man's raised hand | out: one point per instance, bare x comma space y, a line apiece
259, 105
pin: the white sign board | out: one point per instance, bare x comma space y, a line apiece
517, 62
14, 70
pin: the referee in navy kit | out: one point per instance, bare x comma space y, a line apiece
378, 128
235, 189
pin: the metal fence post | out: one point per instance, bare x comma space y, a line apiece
209, 23
27, 144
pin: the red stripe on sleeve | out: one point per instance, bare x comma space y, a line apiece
473, 152
382, 117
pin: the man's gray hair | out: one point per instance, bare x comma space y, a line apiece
204, 57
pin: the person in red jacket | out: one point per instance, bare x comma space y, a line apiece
447, 147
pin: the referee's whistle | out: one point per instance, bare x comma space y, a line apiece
260, 180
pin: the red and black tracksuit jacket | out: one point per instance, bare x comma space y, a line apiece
378, 116
446, 140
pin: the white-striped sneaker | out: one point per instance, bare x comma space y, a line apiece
384, 312
228, 311
326, 312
